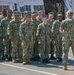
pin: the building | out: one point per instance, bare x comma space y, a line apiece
34, 5
22, 5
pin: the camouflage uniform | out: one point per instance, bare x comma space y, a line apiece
58, 38
51, 37
13, 31
4, 25
1, 40
27, 34
43, 34
36, 47
68, 38
35, 52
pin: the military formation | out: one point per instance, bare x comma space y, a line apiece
36, 37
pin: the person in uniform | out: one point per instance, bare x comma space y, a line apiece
26, 33
35, 22
58, 37
3, 15
43, 34
50, 21
67, 30
39, 20
13, 32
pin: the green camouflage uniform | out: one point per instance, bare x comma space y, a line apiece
43, 34
13, 31
35, 52
1, 39
51, 37
68, 37
27, 34
4, 25
58, 38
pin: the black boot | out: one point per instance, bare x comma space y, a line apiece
52, 57
47, 60
32, 59
59, 59
36, 58
9, 58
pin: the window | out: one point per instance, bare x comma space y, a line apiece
25, 8
5, 7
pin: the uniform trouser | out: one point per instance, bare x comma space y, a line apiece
44, 49
6, 46
27, 50
58, 44
1, 48
36, 49
66, 46
16, 48
52, 47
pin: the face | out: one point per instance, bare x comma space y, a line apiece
50, 17
28, 20
16, 17
60, 17
44, 20
9, 14
69, 15
40, 13
33, 17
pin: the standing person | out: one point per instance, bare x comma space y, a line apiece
35, 22
3, 15
43, 34
13, 32
58, 37
39, 20
4, 25
67, 30
26, 33
50, 21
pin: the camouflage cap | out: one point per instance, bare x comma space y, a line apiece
51, 14
34, 13
8, 11
16, 13
39, 10
59, 14
69, 12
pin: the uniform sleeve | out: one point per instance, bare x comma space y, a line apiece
1, 27
38, 33
21, 32
10, 30
62, 27
34, 33
53, 29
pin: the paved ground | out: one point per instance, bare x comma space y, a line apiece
54, 68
